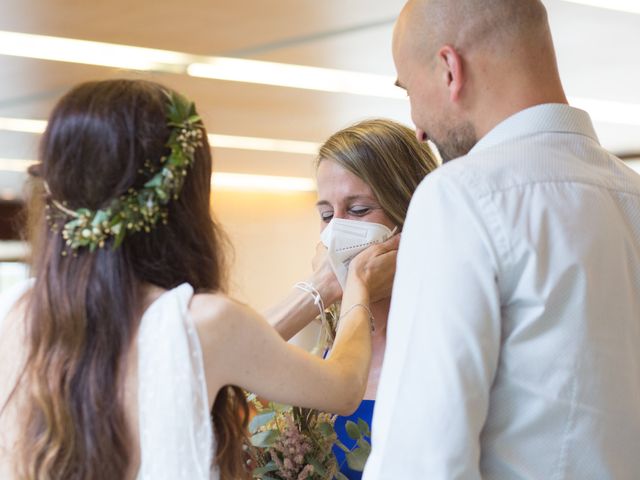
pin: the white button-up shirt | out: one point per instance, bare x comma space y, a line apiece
513, 346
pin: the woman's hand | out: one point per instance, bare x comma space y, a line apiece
376, 268
323, 277
298, 309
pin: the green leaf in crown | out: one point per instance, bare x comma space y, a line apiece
142, 209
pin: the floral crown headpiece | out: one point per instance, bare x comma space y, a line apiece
138, 210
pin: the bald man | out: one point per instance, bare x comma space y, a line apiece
513, 347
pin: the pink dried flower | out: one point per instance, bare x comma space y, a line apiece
306, 472
303, 436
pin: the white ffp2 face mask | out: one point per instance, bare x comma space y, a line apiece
346, 238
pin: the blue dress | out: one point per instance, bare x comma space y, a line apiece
365, 412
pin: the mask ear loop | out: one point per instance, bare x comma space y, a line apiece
317, 300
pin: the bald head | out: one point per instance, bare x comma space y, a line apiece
469, 64
472, 24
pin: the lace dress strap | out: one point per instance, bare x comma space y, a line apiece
176, 436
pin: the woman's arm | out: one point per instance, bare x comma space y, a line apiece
240, 348
297, 309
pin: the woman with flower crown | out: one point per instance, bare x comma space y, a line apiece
366, 172
123, 358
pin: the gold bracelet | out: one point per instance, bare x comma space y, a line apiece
371, 319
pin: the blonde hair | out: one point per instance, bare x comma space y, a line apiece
386, 156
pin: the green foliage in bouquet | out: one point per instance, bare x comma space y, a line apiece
292, 443
357, 456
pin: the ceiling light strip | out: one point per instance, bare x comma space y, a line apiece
221, 68
265, 183
628, 6
219, 180
92, 53
22, 125
252, 71
297, 76
217, 141
263, 144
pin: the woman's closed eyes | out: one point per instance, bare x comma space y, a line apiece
353, 211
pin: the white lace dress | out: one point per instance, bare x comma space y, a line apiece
176, 436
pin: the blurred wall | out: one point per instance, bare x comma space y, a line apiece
274, 236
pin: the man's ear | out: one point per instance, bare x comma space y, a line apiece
451, 63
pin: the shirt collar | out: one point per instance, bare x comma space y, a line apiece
550, 117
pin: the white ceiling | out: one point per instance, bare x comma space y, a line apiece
597, 50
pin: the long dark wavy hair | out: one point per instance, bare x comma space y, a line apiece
85, 308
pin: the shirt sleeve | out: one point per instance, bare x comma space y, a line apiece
443, 339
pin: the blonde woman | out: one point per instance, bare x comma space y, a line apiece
366, 172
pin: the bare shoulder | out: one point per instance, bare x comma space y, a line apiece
216, 316
224, 328
212, 308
